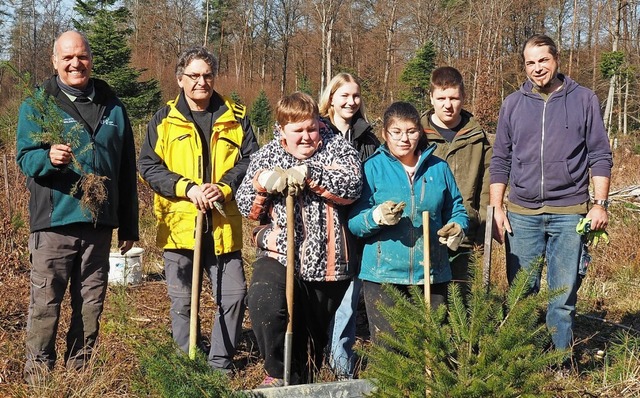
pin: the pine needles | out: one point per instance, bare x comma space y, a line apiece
170, 373
47, 116
494, 348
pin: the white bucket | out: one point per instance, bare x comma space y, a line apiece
126, 268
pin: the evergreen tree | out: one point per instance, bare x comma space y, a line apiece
304, 84
107, 32
261, 115
417, 76
235, 97
494, 348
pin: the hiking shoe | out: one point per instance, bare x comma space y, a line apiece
269, 382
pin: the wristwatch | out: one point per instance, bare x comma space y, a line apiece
602, 202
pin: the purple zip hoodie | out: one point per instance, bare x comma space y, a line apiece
544, 150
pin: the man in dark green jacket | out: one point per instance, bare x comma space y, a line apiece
461, 141
72, 132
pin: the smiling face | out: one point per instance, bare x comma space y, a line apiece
402, 138
72, 60
345, 102
541, 67
447, 106
301, 139
197, 83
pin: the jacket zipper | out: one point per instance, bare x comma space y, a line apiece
544, 111
411, 249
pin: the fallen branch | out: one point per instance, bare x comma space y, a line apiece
595, 318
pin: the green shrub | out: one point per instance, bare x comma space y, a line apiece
170, 373
494, 348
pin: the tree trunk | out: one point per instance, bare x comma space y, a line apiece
608, 110
389, 50
574, 25
626, 104
206, 24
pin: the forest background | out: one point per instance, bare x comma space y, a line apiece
268, 48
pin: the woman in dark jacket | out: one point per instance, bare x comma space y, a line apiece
342, 107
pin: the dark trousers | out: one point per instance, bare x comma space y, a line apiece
75, 255
314, 306
459, 261
374, 295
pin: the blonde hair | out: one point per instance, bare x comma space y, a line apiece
295, 108
339, 80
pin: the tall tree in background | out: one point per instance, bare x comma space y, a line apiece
107, 32
34, 27
327, 12
287, 16
417, 76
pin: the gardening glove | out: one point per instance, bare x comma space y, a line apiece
388, 213
273, 181
593, 237
296, 178
451, 235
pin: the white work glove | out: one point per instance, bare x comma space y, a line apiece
451, 235
273, 181
388, 213
296, 178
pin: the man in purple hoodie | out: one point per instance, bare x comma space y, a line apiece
550, 135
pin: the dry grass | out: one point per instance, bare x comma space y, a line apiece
609, 292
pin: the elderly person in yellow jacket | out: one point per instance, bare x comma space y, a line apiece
194, 157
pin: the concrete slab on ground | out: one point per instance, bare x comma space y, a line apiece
336, 389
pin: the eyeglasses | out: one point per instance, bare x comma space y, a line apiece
397, 135
208, 77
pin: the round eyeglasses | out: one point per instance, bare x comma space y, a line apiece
397, 135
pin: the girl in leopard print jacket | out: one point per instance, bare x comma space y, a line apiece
334, 180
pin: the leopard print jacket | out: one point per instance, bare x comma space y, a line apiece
322, 250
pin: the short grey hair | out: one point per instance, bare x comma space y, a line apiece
82, 35
194, 53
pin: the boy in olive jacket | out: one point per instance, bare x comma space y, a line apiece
461, 141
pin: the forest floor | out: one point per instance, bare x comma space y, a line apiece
609, 304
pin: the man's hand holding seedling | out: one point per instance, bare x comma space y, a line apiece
60, 154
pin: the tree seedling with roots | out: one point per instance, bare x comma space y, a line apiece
91, 187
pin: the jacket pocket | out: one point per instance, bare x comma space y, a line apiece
526, 179
557, 180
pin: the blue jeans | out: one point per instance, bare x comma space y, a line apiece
342, 332
554, 238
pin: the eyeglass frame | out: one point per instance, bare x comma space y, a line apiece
398, 137
195, 77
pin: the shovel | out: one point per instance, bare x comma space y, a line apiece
291, 263
195, 288
488, 240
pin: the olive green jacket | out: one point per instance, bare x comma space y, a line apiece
468, 156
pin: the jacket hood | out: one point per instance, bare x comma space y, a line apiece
567, 87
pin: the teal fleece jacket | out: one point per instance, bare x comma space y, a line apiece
106, 149
394, 254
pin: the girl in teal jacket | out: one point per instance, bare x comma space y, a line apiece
402, 180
